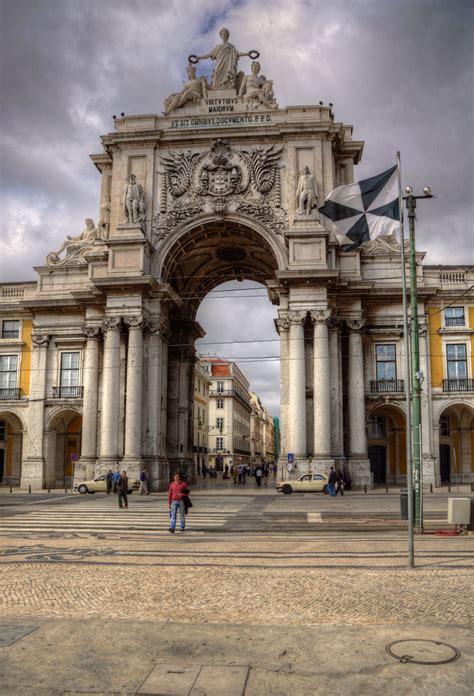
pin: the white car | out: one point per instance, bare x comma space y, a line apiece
99, 485
307, 483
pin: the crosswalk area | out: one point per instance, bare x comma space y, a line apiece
101, 517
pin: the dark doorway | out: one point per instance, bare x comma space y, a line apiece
444, 463
2, 464
378, 463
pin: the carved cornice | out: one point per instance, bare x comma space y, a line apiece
40, 340
321, 316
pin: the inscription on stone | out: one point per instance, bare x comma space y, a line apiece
211, 121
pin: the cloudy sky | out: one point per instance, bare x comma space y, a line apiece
400, 71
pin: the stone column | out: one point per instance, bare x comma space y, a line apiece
335, 372
321, 385
283, 325
86, 465
360, 468
297, 392
133, 404
33, 469
109, 427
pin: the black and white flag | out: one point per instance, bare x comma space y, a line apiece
365, 210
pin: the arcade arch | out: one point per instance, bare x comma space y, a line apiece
63, 446
11, 447
386, 444
455, 428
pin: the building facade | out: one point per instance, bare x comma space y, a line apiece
202, 385
97, 358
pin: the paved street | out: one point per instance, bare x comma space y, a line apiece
251, 561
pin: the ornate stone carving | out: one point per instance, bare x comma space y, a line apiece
104, 220
226, 58
75, 247
134, 206
40, 339
355, 324
193, 91
382, 244
257, 91
111, 323
92, 332
334, 323
137, 322
297, 317
283, 323
219, 181
320, 316
306, 193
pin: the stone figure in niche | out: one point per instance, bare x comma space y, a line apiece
73, 244
104, 222
193, 91
256, 90
306, 193
226, 58
133, 197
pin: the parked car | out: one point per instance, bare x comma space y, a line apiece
308, 483
99, 485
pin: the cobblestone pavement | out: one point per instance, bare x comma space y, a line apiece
319, 577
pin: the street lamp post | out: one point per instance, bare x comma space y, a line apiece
416, 376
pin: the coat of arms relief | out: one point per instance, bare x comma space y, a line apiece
220, 181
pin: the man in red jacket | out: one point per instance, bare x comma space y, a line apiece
176, 492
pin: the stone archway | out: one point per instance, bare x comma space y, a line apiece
193, 261
63, 447
11, 448
386, 444
455, 451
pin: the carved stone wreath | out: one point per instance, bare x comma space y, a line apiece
220, 181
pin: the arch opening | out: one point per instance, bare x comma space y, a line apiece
11, 448
386, 445
63, 447
456, 444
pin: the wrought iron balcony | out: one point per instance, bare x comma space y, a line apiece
454, 321
458, 385
10, 394
387, 386
67, 392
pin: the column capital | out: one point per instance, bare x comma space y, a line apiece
355, 325
283, 323
320, 316
111, 323
297, 317
138, 322
335, 323
92, 332
160, 326
41, 340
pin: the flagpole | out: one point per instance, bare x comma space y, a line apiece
406, 340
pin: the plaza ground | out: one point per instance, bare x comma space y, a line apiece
263, 594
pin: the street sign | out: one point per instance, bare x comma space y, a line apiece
291, 457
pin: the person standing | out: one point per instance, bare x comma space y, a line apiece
275, 469
204, 471
143, 490
115, 479
258, 475
108, 480
266, 474
332, 478
340, 482
177, 490
122, 490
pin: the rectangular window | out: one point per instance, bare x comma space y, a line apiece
376, 427
220, 387
220, 423
220, 403
454, 316
8, 371
444, 429
69, 370
10, 329
457, 362
386, 361
219, 443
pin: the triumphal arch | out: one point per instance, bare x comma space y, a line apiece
224, 184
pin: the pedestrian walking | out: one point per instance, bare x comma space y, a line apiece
258, 476
143, 488
266, 474
122, 490
177, 490
275, 469
332, 478
108, 479
115, 479
234, 474
340, 482
244, 474
347, 479
204, 471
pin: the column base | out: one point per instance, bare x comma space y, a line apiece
103, 464
359, 469
32, 474
428, 463
304, 465
185, 467
133, 466
84, 469
158, 473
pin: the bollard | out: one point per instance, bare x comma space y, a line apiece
431, 488
365, 488
49, 488
65, 489
472, 486
386, 488
29, 488
11, 488
449, 486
